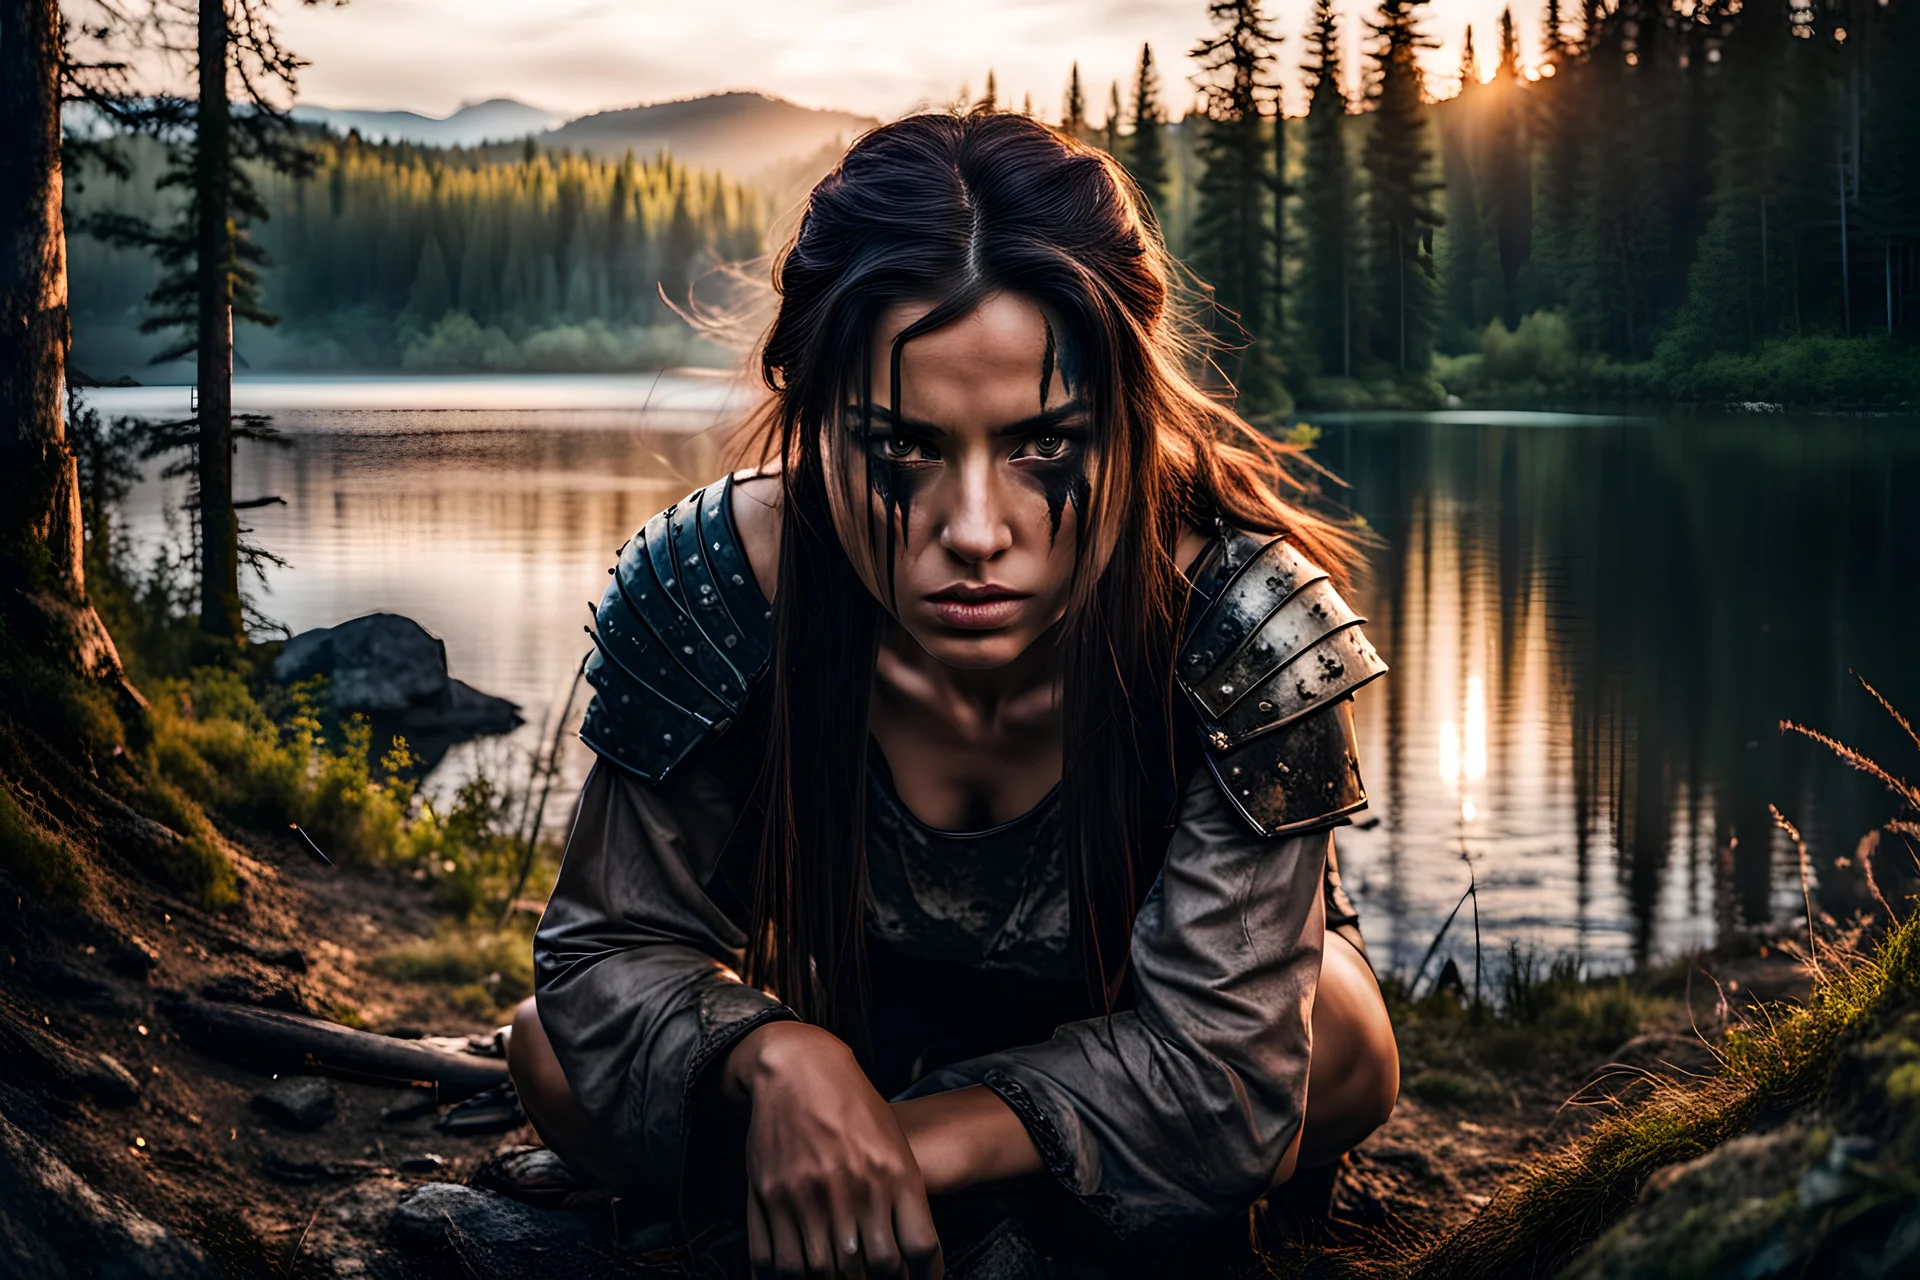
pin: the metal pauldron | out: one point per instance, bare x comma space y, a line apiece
1270, 664
678, 638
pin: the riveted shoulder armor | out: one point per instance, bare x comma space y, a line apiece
678, 639
1270, 660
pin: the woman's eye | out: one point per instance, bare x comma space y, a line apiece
905, 449
1050, 446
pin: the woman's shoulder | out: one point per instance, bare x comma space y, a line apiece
1269, 660
682, 633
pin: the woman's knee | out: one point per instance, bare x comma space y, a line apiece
530, 1058
1356, 1061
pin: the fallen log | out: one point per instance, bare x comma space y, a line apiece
269, 1041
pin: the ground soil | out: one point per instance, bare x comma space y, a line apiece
193, 1152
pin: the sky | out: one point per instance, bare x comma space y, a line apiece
877, 57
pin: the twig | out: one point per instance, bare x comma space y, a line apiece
302, 1242
313, 848
1414, 983
546, 789
1473, 891
1806, 888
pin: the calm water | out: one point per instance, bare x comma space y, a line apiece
1594, 624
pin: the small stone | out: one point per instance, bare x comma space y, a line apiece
417, 1103
300, 1103
425, 1162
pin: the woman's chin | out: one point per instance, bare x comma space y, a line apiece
973, 650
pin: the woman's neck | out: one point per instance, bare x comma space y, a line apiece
978, 702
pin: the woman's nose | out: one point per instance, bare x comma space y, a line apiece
977, 529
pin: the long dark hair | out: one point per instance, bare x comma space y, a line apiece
946, 209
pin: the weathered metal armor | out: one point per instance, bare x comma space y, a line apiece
679, 637
1270, 663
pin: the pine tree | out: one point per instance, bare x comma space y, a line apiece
1147, 149
1461, 254
1110, 132
990, 99
1233, 236
1073, 113
212, 264
1330, 266
1507, 162
1401, 219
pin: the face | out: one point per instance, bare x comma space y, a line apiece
987, 467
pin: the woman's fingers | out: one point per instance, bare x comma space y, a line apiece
789, 1251
913, 1231
876, 1236
849, 1256
759, 1235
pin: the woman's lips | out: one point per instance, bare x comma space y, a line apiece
970, 608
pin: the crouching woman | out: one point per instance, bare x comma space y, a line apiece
956, 882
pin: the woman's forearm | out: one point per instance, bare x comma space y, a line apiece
965, 1137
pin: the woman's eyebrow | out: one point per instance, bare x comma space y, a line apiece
882, 416
1043, 421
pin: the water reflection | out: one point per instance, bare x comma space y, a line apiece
1593, 631
1593, 634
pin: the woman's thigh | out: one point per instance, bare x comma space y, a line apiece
1354, 1078
548, 1100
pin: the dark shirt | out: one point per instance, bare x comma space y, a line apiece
1169, 1116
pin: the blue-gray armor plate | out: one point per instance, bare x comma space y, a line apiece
1269, 663
680, 635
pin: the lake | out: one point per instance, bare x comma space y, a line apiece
1595, 624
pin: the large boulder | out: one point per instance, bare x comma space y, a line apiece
53, 1225
394, 671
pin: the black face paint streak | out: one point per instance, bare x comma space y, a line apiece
1064, 485
1046, 368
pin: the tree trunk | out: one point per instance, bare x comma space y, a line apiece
42, 579
220, 620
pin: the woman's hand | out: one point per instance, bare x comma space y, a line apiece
832, 1187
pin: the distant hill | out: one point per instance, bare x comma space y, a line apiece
744, 135
496, 120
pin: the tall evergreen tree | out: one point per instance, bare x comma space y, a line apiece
1468, 289
1110, 132
1401, 218
1330, 266
1232, 236
1507, 162
211, 262
1147, 149
1073, 113
990, 99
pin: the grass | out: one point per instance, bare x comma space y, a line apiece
485, 969
1779, 1057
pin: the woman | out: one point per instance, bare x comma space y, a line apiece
979, 751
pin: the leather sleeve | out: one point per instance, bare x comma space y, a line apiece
1174, 1115
636, 974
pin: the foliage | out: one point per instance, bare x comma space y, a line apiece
1330, 257
1233, 234
409, 257
1146, 150
1401, 219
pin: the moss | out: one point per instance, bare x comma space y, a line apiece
40, 860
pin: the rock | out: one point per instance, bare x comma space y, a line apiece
295, 1172
300, 1103
417, 1103
54, 1226
495, 1236
386, 665
425, 1162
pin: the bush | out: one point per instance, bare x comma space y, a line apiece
1823, 371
